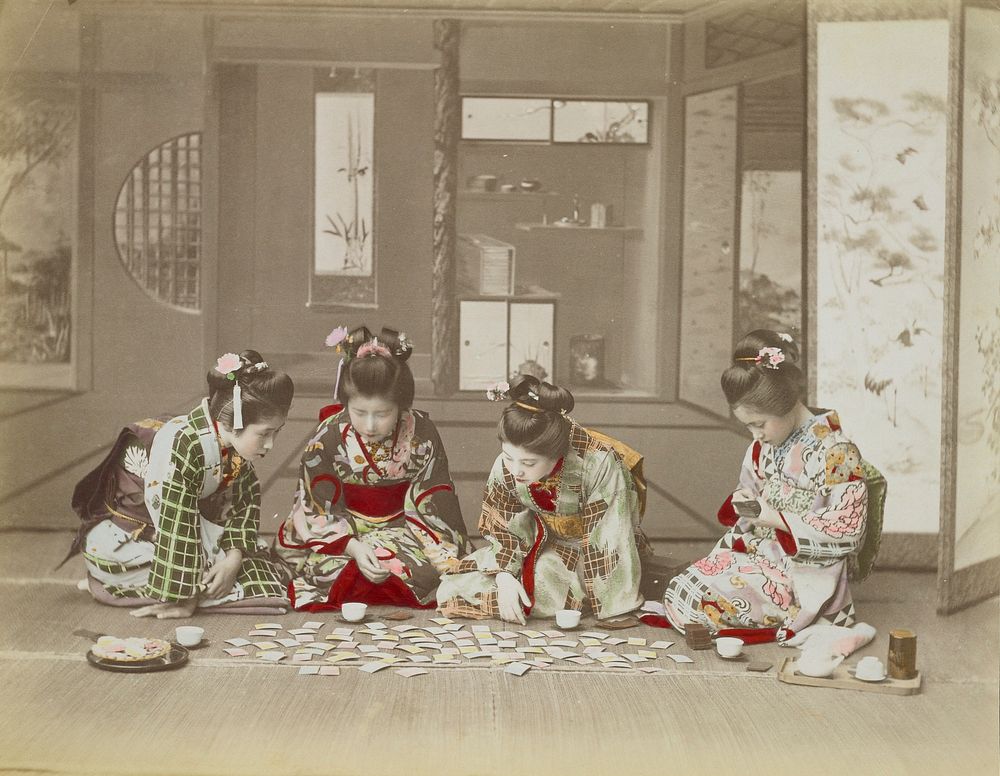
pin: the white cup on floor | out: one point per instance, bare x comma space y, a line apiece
189, 635
353, 612
567, 618
727, 646
870, 669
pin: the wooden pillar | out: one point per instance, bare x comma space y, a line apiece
447, 128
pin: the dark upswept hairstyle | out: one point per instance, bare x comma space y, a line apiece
377, 375
265, 393
772, 391
536, 419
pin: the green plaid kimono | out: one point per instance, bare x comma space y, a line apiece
162, 508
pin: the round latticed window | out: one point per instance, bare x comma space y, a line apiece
158, 222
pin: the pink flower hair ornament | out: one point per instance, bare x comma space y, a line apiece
335, 337
227, 364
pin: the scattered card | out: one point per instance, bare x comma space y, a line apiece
371, 668
595, 635
236, 652
651, 670
581, 660
441, 620
410, 649
615, 664
504, 634
411, 672
343, 631
517, 668
271, 633
647, 653
634, 658
267, 626
452, 627
272, 657
506, 643
480, 628
587, 641
662, 644
239, 642
302, 657
329, 671
301, 631
288, 642
635, 641
614, 641
553, 634
264, 645
680, 658
420, 659
313, 624
308, 670
377, 626
563, 642
405, 628
533, 634
339, 657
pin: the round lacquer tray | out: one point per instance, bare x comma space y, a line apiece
175, 658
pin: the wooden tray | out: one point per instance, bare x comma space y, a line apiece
843, 679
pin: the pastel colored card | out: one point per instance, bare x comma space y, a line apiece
404, 628
507, 643
485, 642
480, 628
444, 659
347, 645
478, 654
340, 657
680, 658
301, 631
236, 652
652, 670
607, 657
409, 648
312, 624
517, 668
533, 650
377, 626
516, 654
308, 670
337, 637
564, 642
441, 620
502, 660
464, 634
305, 638
662, 644
467, 650
537, 641
329, 671
648, 653
587, 641
371, 633
454, 626
371, 668
435, 630
384, 645
385, 657
553, 634
492, 648
322, 646
614, 641
533, 634
343, 631
505, 634
635, 641
302, 657
539, 663
263, 645
259, 632
426, 644
288, 642
447, 638
634, 658
272, 657
595, 635
409, 673
581, 660
385, 636
593, 651
239, 642
416, 635
267, 626
420, 659
618, 665
367, 648
450, 651
465, 643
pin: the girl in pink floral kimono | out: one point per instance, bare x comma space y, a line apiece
375, 517
797, 514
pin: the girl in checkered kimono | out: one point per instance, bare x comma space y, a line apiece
560, 515
375, 517
797, 514
170, 517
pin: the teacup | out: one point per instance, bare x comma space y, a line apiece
870, 669
353, 612
567, 618
817, 663
727, 646
189, 635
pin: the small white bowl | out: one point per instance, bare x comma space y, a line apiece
567, 618
189, 635
353, 612
727, 646
870, 669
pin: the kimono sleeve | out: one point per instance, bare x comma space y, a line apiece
750, 481
177, 557
835, 525
611, 559
501, 507
317, 518
243, 517
432, 495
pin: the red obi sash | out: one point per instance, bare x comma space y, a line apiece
373, 501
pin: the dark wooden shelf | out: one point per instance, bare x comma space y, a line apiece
470, 194
530, 227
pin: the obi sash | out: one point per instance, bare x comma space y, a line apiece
566, 526
377, 504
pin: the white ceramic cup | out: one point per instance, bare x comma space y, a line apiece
189, 635
727, 646
353, 612
870, 669
567, 618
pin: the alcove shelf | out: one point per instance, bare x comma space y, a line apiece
533, 227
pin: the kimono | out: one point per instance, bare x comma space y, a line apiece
573, 540
162, 507
783, 579
397, 497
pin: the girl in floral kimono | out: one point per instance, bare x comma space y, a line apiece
375, 517
560, 515
797, 514
170, 517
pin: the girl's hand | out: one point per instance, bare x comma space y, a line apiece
511, 598
221, 577
368, 563
173, 610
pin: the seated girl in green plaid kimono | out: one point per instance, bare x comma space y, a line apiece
375, 517
170, 516
560, 514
